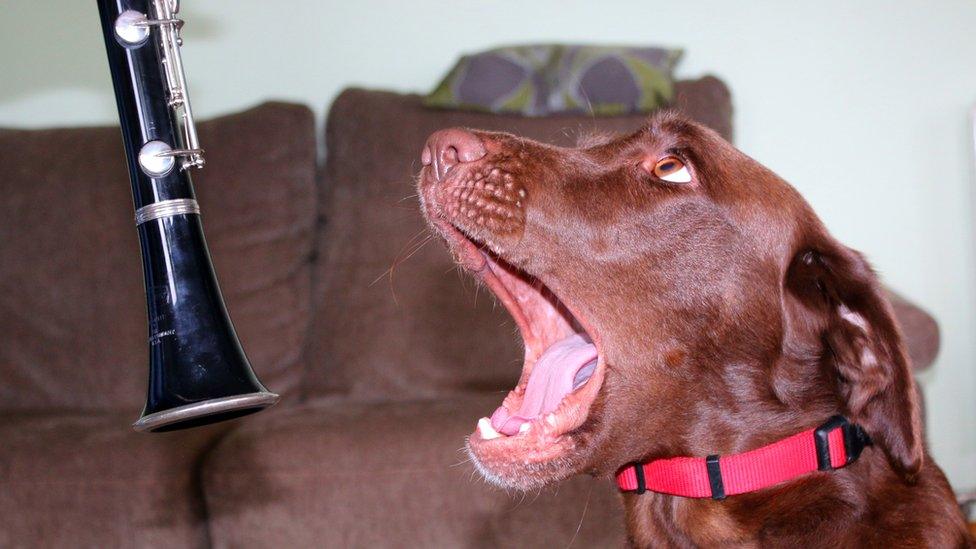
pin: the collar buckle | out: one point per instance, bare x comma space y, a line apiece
855, 440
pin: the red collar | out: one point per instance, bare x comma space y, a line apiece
830, 446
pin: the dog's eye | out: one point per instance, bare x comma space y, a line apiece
672, 170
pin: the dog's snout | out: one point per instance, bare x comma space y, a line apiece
447, 148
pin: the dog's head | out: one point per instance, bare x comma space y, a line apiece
673, 296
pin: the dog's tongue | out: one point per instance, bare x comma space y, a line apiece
565, 366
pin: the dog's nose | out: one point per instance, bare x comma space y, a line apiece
448, 148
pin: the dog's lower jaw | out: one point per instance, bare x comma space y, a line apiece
532, 473
490, 477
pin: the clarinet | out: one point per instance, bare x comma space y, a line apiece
198, 372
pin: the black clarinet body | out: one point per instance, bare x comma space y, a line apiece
198, 372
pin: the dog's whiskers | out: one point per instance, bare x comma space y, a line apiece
409, 250
582, 516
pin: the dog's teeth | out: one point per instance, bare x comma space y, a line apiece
551, 419
485, 430
525, 428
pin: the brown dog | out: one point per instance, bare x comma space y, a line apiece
676, 298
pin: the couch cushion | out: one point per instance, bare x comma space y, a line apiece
383, 327
90, 481
72, 307
334, 473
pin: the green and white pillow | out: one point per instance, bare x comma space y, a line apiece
539, 80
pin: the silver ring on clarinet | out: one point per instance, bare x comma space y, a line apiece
167, 208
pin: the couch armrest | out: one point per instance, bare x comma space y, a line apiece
921, 331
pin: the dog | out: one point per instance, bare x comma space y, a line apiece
688, 321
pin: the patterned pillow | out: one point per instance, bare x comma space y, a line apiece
539, 80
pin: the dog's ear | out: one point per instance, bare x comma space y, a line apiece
843, 303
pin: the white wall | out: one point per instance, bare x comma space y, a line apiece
861, 105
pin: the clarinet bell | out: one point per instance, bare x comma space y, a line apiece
198, 372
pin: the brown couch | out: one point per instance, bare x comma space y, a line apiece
383, 370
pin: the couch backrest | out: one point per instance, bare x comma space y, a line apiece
72, 312
396, 321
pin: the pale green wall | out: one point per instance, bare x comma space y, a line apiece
862, 105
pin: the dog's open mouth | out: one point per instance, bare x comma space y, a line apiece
562, 372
